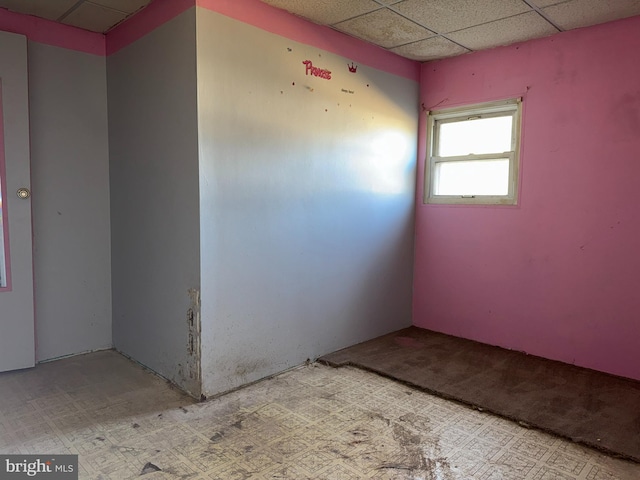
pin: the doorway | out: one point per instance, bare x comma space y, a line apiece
17, 330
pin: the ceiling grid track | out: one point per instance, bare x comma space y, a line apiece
540, 12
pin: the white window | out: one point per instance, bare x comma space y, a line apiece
473, 154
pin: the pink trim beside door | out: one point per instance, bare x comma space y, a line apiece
3, 187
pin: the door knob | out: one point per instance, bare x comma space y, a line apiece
23, 193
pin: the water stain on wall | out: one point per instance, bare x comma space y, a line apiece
192, 373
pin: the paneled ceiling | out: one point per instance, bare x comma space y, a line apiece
430, 29
95, 15
417, 29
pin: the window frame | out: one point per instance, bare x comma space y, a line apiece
435, 118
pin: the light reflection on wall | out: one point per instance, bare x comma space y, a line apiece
390, 163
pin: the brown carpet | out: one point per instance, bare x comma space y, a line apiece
594, 408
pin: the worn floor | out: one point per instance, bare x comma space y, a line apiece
590, 407
314, 422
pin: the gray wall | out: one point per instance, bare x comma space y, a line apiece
154, 198
70, 183
306, 201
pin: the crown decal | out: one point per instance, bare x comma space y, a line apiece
352, 68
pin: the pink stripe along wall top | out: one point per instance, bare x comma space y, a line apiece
252, 12
52, 33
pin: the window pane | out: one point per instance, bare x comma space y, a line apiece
479, 136
473, 177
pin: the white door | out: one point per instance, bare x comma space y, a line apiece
17, 336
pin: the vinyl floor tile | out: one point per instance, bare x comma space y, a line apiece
314, 422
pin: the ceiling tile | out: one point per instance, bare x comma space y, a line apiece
49, 9
429, 49
445, 16
384, 28
93, 17
504, 32
326, 12
581, 13
127, 6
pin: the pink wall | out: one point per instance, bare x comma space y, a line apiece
559, 275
